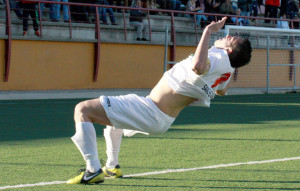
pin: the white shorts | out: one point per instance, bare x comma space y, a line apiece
135, 113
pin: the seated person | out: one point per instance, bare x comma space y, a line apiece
191, 7
241, 21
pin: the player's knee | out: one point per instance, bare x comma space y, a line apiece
80, 112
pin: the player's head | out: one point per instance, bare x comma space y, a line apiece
239, 50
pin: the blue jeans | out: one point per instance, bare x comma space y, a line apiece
175, 4
240, 20
245, 13
55, 11
42, 5
16, 7
102, 12
199, 18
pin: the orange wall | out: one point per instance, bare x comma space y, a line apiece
41, 65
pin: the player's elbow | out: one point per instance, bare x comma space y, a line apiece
199, 69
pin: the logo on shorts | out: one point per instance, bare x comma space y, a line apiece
209, 92
108, 102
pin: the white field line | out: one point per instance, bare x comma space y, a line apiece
164, 171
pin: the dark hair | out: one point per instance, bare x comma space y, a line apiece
241, 54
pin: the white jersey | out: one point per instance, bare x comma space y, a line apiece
183, 80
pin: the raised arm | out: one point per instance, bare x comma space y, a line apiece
200, 65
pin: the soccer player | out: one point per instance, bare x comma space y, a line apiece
194, 80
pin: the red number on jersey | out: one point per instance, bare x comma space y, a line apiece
223, 78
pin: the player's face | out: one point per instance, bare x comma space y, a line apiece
228, 41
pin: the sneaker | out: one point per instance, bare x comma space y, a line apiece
24, 33
113, 173
37, 33
86, 177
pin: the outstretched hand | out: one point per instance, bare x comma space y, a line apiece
216, 26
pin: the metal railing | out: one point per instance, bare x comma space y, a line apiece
97, 29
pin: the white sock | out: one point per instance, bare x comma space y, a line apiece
85, 140
113, 139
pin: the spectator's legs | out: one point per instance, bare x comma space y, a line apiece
25, 16
42, 5
211, 18
273, 12
110, 13
233, 19
178, 5
102, 13
254, 9
170, 4
146, 30
65, 11
245, 13
163, 4
33, 14
52, 11
267, 12
126, 3
203, 24
145, 3
14, 5
198, 20
139, 27
57, 10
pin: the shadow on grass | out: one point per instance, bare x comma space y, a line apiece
38, 119
195, 186
213, 139
238, 181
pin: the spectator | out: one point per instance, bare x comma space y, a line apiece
153, 5
227, 9
244, 5
283, 24
240, 21
145, 3
209, 8
191, 7
170, 4
176, 6
42, 5
254, 9
292, 9
103, 10
217, 4
119, 3
283, 7
15, 5
268, 9
29, 8
234, 4
136, 19
79, 13
296, 23
261, 7
55, 11
271, 9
